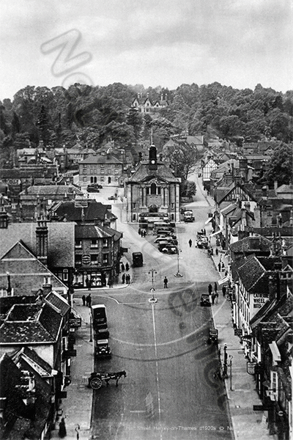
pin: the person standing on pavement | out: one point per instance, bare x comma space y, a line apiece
213, 298
190, 243
165, 283
216, 287
224, 291
210, 289
83, 300
89, 300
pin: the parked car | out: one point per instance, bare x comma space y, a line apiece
205, 300
169, 249
93, 188
161, 238
102, 348
202, 243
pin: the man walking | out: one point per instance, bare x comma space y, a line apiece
190, 243
165, 283
210, 289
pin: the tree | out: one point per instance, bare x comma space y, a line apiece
280, 166
134, 119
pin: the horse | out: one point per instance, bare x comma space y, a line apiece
115, 376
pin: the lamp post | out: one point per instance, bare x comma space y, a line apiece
178, 274
153, 273
225, 365
91, 334
231, 387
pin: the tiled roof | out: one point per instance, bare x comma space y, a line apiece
94, 210
101, 159
251, 272
90, 231
33, 359
27, 273
250, 244
58, 301
48, 190
60, 241
43, 328
143, 173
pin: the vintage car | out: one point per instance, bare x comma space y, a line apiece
93, 188
213, 336
205, 300
168, 249
102, 348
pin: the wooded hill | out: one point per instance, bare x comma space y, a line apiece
93, 115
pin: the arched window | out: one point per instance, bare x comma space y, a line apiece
153, 188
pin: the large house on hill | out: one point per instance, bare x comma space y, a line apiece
145, 105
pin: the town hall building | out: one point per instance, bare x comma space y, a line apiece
153, 188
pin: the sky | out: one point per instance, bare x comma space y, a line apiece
238, 43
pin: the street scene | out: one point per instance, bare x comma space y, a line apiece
146, 220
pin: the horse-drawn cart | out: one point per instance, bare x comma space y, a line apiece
95, 381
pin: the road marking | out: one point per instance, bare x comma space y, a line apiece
174, 341
157, 365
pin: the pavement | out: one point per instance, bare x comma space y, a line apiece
246, 423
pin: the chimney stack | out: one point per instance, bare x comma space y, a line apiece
42, 241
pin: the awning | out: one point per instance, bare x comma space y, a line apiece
216, 233
208, 220
223, 281
275, 352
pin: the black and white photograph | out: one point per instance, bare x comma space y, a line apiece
146, 220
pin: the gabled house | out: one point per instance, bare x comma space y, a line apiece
97, 255
84, 211
22, 273
51, 242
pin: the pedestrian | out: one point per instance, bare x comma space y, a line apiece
210, 289
216, 287
217, 251
122, 267
165, 283
139, 231
89, 300
190, 243
204, 231
216, 297
62, 428
224, 291
219, 266
123, 278
144, 232
83, 300
213, 298
127, 267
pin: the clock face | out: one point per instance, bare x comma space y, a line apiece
152, 161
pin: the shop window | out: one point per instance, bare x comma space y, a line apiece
78, 260
65, 275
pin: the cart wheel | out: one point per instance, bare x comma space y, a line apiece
96, 383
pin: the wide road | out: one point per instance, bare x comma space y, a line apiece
170, 391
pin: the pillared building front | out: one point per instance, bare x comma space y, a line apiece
153, 188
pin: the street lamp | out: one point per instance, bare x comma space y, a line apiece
91, 334
153, 273
231, 387
178, 274
225, 365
